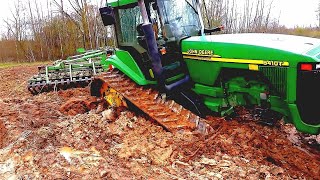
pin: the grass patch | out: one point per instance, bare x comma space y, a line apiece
315, 33
15, 64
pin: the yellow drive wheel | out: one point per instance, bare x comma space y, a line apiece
114, 99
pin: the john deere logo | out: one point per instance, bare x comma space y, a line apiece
200, 52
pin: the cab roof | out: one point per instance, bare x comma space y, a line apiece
119, 3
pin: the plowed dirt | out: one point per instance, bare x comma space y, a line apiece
70, 135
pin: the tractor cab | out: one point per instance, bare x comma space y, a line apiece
179, 19
171, 20
149, 34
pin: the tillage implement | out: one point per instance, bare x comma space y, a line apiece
74, 71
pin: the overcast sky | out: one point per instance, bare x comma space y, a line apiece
291, 13
297, 12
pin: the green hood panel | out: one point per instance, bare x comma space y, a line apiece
257, 46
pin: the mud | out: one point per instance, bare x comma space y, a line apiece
69, 135
82, 105
3, 135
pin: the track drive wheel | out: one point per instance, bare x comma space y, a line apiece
100, 88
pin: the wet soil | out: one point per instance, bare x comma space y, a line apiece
70, 135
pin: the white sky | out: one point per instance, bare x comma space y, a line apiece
291, 13
297, 12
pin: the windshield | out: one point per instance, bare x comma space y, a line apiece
180, 18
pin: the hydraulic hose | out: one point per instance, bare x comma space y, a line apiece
152, 45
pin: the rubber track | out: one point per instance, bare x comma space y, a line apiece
167, 113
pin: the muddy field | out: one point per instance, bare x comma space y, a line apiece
56, 136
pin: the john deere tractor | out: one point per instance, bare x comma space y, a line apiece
172, 67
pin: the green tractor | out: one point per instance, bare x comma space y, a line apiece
163, 44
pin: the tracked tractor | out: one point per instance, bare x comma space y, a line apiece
178, 72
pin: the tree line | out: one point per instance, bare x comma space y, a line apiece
53, 29
47, 30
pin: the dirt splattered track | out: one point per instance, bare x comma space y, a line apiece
42, 138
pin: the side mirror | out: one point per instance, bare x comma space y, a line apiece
107, 16
219, 28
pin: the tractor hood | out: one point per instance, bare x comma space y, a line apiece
255, 46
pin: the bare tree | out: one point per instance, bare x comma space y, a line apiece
17, 26
318, 14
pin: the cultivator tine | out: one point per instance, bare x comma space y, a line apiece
75, 71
